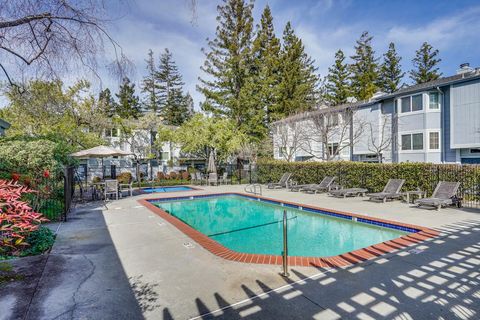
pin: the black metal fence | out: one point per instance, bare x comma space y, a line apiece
423, 176
239, 173
68, 190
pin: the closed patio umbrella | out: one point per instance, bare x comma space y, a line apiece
211, 164
100, 152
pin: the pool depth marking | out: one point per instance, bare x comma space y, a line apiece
341, 260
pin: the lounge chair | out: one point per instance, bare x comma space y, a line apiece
282, 183
442, 196
390, 192
348, 192
324, 185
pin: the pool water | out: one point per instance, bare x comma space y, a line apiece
167, 189
246, 225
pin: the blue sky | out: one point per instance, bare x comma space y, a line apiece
324, 25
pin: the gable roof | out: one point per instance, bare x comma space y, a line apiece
434, 84
458, 78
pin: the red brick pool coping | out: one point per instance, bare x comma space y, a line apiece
342, 260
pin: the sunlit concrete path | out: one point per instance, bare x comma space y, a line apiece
125, 262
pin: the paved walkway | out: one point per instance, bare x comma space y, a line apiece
127, 263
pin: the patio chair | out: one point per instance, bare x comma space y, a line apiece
224, 178
212, 179
126, 187
193, 178
390, 192
348, 192
111, 187
323, 186
443, 195
199, 178
282, 183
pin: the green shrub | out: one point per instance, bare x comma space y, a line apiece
372, 176
40, 241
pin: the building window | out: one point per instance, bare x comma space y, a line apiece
406, 106
413, 103
417, 102
164, 155
282, 151
434, 140
412, 141
434, 101
109, 133
332, 148
475, 150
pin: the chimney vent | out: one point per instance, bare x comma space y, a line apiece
465, 68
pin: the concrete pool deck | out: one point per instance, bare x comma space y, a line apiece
125, 262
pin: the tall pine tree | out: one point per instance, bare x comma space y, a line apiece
364, 68
128, 103
425, 64
228, 64
391, 73
107, 103
266, 51
149, 86
170, 91
298, 87
337, 86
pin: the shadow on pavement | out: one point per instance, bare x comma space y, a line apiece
439, 278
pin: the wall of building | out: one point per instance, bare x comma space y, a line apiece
465, 115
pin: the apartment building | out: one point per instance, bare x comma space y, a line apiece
437, 122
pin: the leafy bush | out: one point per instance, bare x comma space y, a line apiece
160, 176
372, 176
17, 218
124, 177
40, 241
31, 158
173, 175
185, 175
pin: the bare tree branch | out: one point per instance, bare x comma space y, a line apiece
53, 37
381, 140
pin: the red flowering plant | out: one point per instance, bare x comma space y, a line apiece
17, 218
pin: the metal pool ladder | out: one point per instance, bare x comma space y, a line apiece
254, 188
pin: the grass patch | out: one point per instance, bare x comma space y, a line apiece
7, 274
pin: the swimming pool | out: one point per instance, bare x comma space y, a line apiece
253, 225
167, 189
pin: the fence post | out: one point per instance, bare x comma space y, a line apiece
250, 173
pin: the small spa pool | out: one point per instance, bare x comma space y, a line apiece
254, 225
167, 189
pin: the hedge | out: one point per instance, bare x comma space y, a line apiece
372, 176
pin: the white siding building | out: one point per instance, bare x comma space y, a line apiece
437, 122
